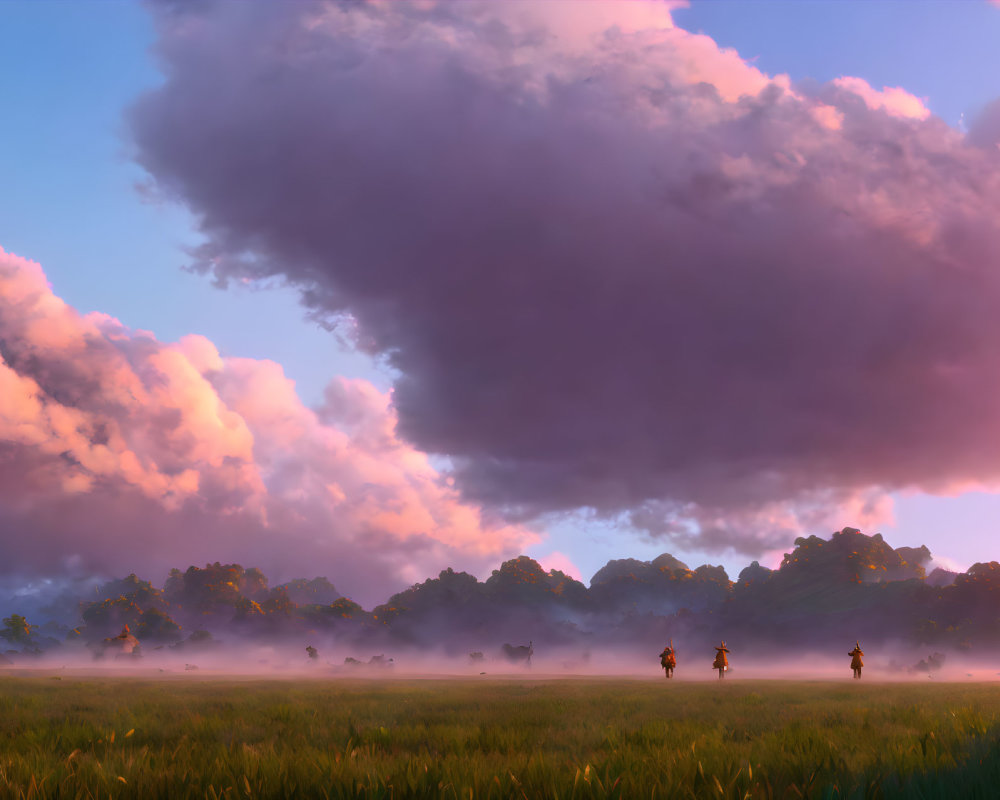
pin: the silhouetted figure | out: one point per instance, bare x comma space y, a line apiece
312, 652
668, 660
721, 663
856, 662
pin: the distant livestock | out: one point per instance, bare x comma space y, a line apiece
518, 653
375, 662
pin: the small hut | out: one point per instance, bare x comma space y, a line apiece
122, 645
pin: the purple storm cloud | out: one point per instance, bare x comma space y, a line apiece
615, 266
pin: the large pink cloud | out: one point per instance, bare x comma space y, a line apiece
119, 452
616, 266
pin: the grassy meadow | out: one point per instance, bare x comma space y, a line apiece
464, 738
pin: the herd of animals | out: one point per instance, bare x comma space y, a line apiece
125, 644
668, 660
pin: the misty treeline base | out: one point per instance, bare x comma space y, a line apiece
825, 595
179, 738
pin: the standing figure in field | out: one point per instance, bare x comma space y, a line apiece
668, 660
721, 663
856, 662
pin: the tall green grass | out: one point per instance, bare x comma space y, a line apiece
124, 738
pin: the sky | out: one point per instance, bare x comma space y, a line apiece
371, 293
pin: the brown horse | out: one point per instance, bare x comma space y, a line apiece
721, 663
856, 662
668, 660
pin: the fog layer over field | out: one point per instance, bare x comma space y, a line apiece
796, 622
894, 663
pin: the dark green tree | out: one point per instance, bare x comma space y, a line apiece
156, 626
16, 630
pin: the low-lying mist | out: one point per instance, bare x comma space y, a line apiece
797, 622
285, 660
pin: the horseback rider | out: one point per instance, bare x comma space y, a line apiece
721, 663
668, 660
856, 662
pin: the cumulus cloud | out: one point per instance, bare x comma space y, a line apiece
894, 100
119, 452
616, 266
985, 129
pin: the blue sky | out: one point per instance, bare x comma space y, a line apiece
945, 52
68, 71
